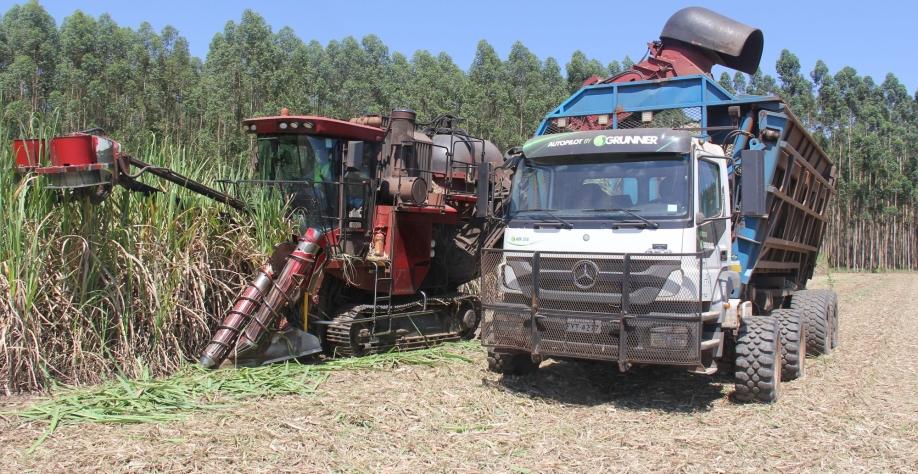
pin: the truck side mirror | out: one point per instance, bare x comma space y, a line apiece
699, 218
354, 158
753, 185
483, 204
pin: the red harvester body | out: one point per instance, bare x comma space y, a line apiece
387, 211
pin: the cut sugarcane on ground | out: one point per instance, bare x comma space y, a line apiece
852, 412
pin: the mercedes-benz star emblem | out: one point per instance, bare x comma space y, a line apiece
585, 273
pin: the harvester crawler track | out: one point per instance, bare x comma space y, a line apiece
346, 337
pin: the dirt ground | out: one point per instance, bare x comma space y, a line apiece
856, 410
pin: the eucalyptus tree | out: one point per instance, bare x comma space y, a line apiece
580, 68
739, 82
30, 51
487, 94
726, 82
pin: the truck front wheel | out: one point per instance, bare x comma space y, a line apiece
758, 360
511, 363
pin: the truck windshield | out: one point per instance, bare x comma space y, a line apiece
621, 187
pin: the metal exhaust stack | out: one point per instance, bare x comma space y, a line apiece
725, 41
693, 40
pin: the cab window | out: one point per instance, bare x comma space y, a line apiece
710, 197
297, 158
531, 188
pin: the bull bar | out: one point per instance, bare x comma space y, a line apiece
629, 308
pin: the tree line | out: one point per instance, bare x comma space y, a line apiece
141, 83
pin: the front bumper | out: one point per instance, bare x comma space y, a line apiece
640, 308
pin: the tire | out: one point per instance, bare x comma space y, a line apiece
469, 321
511, 363
793, 343
758, 360
833, 316
816, 306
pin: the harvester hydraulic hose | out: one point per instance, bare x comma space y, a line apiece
258, 307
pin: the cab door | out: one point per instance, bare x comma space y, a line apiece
712, 218
358, 196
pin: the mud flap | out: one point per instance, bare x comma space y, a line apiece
286, 345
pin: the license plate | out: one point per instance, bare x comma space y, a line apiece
585, 326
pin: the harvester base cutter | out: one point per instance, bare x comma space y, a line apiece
290, 344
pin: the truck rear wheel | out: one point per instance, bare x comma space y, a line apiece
821, 325
511, 363
793, 342
758, 360
833, 316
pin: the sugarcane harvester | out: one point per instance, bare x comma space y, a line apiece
388, 229
659, 219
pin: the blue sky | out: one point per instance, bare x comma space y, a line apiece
873, 37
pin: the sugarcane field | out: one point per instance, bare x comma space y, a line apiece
483, 237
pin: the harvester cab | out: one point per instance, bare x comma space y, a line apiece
318, 165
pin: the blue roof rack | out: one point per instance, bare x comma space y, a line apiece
615, 99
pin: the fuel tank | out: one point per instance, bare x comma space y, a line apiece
467, 152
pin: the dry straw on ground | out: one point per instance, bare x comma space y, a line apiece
173, 398
852, 413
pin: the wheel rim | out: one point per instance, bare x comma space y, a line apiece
468, 323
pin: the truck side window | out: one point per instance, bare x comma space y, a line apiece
531, 192
709, 189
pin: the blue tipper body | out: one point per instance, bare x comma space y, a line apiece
700, 104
